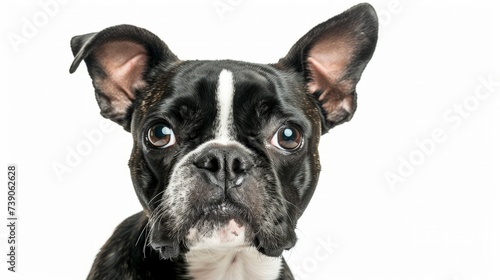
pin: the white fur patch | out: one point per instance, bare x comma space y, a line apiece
225, 94
225, 255
229, 236
232, 264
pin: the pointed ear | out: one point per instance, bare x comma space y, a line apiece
119, 60
332, 57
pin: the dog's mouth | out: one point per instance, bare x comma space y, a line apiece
216, 214
219, 226
224, 225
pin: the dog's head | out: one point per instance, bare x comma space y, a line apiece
225, 152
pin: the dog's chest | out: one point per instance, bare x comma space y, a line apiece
235, 264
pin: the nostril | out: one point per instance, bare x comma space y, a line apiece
212, 165
208, 163
239, 166
236, 166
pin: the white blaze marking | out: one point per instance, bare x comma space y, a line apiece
225, 94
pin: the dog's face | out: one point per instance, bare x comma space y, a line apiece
226, 150
226, 153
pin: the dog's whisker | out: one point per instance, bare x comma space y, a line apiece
160, 193
297, 207
139, 238
145, 243
155, 216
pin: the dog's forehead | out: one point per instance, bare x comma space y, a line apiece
218, 85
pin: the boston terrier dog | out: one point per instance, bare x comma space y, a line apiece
225, 153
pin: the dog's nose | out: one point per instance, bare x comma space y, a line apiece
225, 166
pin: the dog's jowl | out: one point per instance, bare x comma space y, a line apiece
225, 155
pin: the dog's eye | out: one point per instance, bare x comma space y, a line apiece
161, 136
287, 138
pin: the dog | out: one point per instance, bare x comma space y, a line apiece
225, 155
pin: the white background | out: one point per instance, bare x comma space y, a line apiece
440, 221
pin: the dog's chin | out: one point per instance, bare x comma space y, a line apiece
221, 226
209, 235
229, 235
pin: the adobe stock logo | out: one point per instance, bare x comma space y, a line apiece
222, 7
453, 118
31, 26
75, 154
321, 253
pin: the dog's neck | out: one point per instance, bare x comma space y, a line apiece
232, 264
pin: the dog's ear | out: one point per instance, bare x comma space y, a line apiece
119, 60
332, 57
